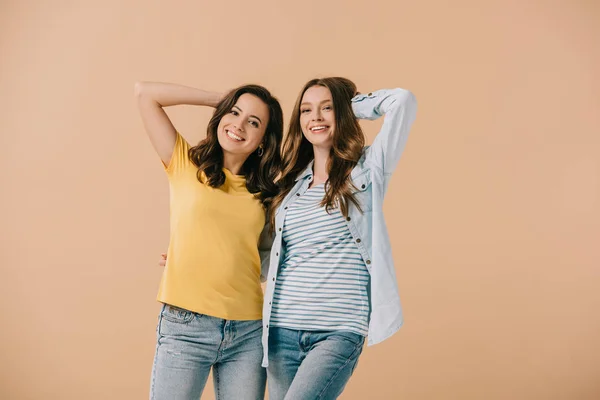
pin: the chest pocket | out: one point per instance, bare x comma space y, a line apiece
362, 190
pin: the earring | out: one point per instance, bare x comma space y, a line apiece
260, 150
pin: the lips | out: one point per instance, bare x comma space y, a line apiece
233, 136
319, 128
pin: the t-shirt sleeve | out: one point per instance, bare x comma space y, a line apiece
180, 159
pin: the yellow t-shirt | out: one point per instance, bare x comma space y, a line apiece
213, 264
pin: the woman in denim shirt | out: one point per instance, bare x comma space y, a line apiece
331, 279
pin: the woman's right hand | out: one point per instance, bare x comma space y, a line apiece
163, 259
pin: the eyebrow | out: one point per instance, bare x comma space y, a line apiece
259, 120
322, 102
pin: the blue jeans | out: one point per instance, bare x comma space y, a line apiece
311, 365
190, 344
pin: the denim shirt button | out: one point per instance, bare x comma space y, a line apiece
348, 219
298, 194
368, 261
357, 240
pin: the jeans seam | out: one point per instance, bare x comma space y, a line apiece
215, 371
320, 396
158, 335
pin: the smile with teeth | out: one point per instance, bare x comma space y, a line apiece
318, 129
233, 136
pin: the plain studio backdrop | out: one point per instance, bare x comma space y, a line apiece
493, 211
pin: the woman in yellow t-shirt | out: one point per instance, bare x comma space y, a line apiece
220, 193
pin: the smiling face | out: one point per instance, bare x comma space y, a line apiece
242, 129
317, 116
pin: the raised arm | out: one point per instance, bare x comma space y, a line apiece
399, 107
152, 97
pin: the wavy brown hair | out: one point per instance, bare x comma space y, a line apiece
260, 171
348, 144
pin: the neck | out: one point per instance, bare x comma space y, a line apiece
234, 162
320, 166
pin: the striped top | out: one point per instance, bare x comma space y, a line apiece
322, 282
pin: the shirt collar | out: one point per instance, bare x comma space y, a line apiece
308, 171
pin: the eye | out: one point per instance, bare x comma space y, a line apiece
328, 108
234, 112
254, 124
304, 111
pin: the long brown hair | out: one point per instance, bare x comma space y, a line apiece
260, 171
348, 144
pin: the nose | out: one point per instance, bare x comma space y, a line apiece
238, 124
317, 115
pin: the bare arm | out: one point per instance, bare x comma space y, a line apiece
152, 97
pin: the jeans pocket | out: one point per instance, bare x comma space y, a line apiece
355, 338
177, 315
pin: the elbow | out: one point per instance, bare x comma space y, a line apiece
411, 102
407, 100
405, 96
138, 89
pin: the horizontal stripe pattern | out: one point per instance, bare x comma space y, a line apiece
323, 282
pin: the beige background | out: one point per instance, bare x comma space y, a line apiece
493, 213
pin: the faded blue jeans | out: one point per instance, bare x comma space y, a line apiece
190, 344
311, 365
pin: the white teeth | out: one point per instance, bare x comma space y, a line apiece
233, 136
317, 128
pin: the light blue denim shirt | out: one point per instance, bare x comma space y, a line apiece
370, 177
